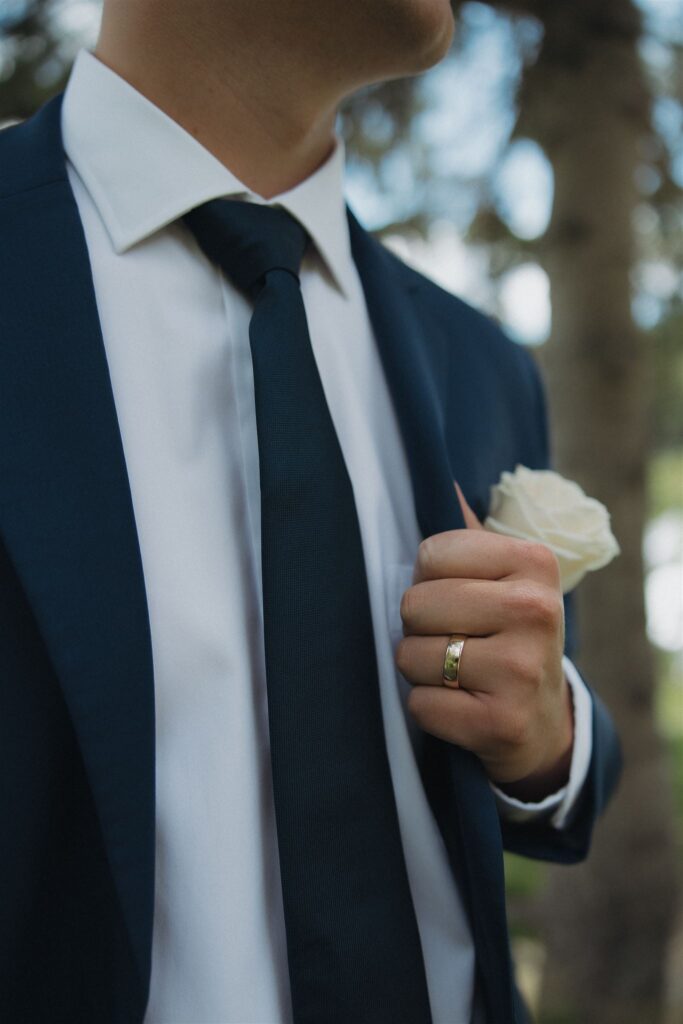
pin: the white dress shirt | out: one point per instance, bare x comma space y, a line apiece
176, 340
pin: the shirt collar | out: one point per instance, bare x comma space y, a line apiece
143, 170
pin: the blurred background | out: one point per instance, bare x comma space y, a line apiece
537, 173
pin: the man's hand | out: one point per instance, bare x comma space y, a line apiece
513, 708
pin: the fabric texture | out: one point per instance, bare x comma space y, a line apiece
77, 726
175, 331
352, 939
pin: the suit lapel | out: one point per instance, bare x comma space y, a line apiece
66, 514
413, 386
66, 517
455, 781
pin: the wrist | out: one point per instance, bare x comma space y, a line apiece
553, 774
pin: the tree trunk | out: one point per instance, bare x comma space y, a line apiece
608, 921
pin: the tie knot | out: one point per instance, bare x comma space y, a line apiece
248, 239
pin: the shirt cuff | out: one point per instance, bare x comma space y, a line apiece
559, 805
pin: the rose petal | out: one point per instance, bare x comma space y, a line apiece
542, 506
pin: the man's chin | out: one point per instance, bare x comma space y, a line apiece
429, 31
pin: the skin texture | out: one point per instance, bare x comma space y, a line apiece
513, 709
258, 83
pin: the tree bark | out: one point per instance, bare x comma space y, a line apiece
607, 922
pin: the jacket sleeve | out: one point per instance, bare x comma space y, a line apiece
539, 838
570, 844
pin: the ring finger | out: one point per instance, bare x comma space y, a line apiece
420, 660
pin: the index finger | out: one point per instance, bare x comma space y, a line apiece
483, 555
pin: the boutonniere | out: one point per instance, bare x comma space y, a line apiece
541, 505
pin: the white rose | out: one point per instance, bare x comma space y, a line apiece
540, 505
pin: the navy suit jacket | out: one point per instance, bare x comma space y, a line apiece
76, 683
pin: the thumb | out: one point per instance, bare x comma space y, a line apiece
471, 521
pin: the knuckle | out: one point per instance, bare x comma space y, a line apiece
539, 555
426, 556
548, 608
544, 560
536, 603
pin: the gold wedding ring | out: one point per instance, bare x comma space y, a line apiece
452, 659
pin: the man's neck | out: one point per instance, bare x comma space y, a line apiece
270, 124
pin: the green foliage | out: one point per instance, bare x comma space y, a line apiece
676, 752
665, 480
524, 881
523, 877
33, 64
670, 702
559, 1017
667, 425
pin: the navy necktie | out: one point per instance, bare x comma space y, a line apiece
352, 940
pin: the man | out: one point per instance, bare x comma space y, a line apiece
240, 784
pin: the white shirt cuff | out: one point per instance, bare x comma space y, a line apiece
559, 805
